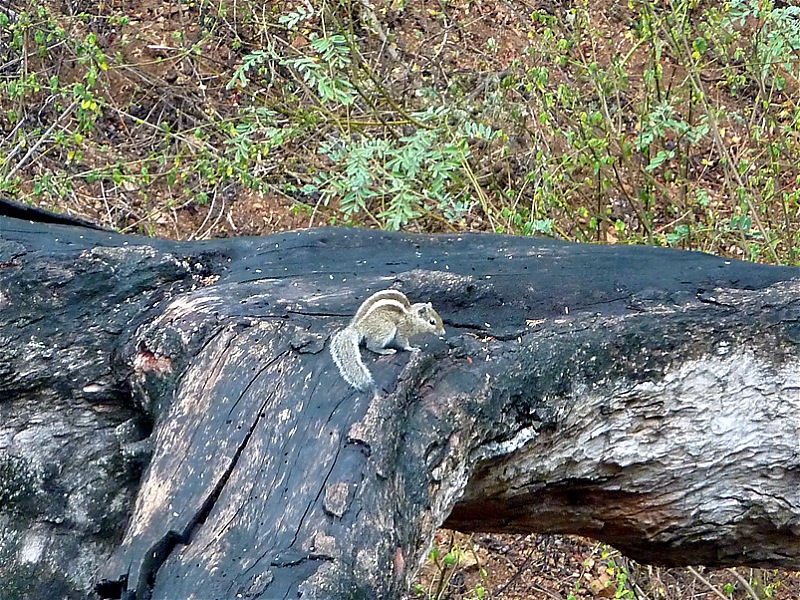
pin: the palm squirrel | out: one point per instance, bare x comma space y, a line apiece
384, 319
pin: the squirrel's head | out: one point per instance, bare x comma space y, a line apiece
425, 313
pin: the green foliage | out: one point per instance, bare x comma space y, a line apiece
778, 39
404, 177
325, 70
682, 130
292, 19
445, 566
251, 61
621, 576
400, 180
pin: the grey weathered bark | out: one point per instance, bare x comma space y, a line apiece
649, 398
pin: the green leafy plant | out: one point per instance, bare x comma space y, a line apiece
446, 562
776, 42
399, 180
683, 133
293, 18
324, 70
250, 62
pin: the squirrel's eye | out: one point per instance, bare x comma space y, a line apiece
432, 321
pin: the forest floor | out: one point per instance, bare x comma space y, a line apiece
666, 122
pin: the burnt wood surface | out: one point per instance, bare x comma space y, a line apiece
172, 425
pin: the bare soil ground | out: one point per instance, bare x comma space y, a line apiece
559, 567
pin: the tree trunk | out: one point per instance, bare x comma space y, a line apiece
172, 424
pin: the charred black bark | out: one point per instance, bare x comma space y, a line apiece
642, 396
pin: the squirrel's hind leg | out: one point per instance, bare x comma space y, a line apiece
379, 343
401, 341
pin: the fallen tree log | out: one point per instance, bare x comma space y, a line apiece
172, 426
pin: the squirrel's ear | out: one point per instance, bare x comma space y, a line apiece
429, 305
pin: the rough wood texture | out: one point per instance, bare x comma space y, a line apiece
646, 397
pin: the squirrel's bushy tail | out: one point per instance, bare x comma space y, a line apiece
347, 356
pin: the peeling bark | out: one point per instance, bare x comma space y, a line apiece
173, 426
